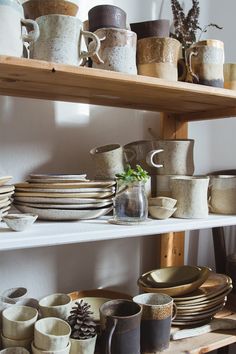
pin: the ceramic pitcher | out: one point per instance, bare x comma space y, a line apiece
11, 23
60, 40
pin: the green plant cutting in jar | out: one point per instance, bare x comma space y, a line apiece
131, 204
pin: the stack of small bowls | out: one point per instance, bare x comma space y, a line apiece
161, 207
6, 191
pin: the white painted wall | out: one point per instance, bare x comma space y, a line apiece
37, 136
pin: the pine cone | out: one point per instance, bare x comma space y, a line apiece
81, 322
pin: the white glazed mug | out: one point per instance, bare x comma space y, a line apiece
60, 40
11, 23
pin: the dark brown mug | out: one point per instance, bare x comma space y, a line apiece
106, 16
120, 327
157, 28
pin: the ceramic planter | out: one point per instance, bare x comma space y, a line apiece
85, 346
223, 195
36, 8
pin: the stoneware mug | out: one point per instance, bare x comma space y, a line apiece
120, 327
158, 57
230, 76
60, 40
157, 314
117, 52
11, 23
205, 62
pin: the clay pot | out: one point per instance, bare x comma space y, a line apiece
106, 16
223, 195
36, 8
157, 28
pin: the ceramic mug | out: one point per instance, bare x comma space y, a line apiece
158, 57
117, 52
60, 40
55, 305
109, 160
156, 28
191, 194
106, 16
15, 294
120, 327
230, 76
222, 192
157, 314
11, 23
205, 62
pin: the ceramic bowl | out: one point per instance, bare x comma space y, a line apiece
18, 322
62, 351
19, 222
51, 334
162, 202
99, 293
12, 343
15, 294
37, 8
161, 213
17, 350
95, 303
55, 305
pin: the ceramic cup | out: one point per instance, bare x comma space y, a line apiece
60, 40
156, 28
120, 327
35, 350
15, 294
108, 160
158, 57
51, 334
11, 23
157, 314
205, 62
230, 76
55, 305
106, 16
222, 198
191, 194
5, 302
13, 343
18, 322
17, 350
83, 346
118, 50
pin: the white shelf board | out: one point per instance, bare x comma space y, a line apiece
43, 234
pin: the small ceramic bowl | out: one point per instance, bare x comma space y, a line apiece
19, 222
55, 305
18, 322
17, 350
62, 351
161, 213
162, 202
51, 334
15, 294
12, 343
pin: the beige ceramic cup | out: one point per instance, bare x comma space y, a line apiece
18, 322
158, 57
230, 76
51, 334
16, 350
222, 194
55, 305
35, 350
13, 343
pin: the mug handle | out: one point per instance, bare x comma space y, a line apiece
174, 312
94, 46
193, 53
33, 35
112, 329
150, 158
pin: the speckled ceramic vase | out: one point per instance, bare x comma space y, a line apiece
191, 194
11, 23
118, 50
60, 40
223, 194
158, 57
205, 61
230, 76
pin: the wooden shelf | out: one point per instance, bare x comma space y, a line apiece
43, 80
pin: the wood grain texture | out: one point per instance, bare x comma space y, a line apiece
43, 80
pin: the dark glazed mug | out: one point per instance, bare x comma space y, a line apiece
157, 28
120, 327
106, 16
157, 315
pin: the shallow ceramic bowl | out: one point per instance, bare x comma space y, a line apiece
51, 334
37, 8
161, 213
162, 202
15, 293
171, 276
62, 351
17, 350
19, 222
12, 343
102, 293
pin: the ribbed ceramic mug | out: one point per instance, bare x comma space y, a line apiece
120, 327
11, 23
205, 61
230, 76
60, 40
222, 192
158, 57
158, 310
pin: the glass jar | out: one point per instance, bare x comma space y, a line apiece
130, 203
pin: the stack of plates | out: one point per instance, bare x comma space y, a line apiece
64, 197
201, 305
6, 191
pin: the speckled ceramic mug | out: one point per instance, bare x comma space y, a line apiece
60, 40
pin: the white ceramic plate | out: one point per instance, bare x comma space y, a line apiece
98, 195
72, 185
4, 204
68, 206
67, 190
6, 189
60, 215
4, 179
57, 176
3, 196
66, 201
4, 210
